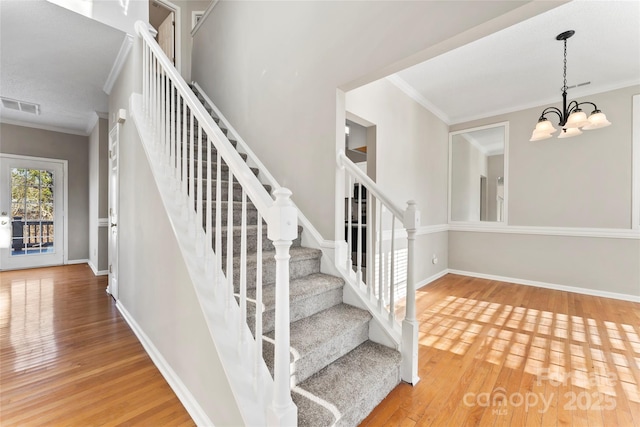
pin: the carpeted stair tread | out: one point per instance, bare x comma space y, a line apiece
307, 295
322, 338
347, 390
303, 261
299, 289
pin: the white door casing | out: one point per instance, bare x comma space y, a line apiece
43, 212
114, 184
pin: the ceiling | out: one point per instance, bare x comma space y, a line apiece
57, 59
521, 66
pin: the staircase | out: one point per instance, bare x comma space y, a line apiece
337, 374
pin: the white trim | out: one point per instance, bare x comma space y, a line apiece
103, 222
93, 121
206, 13
431, 279
553, 286
177, 32
635, 167
194, 18
549, 101
65, 196
505, 125
184, 395
432, 229
77, 261
607, 233
43, 127
118, 64
97, 272
405, 87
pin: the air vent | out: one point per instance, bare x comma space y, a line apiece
579, 85
14, 104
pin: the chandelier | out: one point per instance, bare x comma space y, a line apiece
572, 118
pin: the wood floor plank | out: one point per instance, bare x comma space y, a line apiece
69, 358
478, 337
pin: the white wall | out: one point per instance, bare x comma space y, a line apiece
273, 68
579, 186
154, 285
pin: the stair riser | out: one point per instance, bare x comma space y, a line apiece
214, 168
252, 216
252, 242
311, 363
237, 191
205, 155
298, 309
297, 269
224, 173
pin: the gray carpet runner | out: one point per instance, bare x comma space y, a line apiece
339, 376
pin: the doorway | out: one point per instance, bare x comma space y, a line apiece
33, 193
164, 16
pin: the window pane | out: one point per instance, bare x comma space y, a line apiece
33, 204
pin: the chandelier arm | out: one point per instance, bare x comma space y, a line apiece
552, 110
595, 108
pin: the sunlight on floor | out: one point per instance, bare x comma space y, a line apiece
560, 346
30, 329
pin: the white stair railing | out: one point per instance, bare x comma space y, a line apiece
382, 270
193, 150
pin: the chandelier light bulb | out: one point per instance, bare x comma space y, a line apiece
569, 132
540, 135
545, 125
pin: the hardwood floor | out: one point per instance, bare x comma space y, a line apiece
499, 354
491, 354
68, 358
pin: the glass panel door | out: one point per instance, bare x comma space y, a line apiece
32, 195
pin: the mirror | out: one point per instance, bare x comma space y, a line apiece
477, 174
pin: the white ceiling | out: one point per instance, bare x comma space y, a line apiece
58, 59
521, 66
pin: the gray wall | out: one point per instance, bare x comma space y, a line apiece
33, 142
582, 182
279, 90
154, 285
411, 153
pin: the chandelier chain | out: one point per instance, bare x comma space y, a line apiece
564, 88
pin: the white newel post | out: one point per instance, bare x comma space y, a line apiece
409, 367
283, 229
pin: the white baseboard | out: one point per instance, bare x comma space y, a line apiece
433, 278
97, 272
553, 286
184, 395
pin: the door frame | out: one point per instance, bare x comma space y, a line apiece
65, 196
177, 36
113, 253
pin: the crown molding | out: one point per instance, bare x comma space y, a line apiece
41, 126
